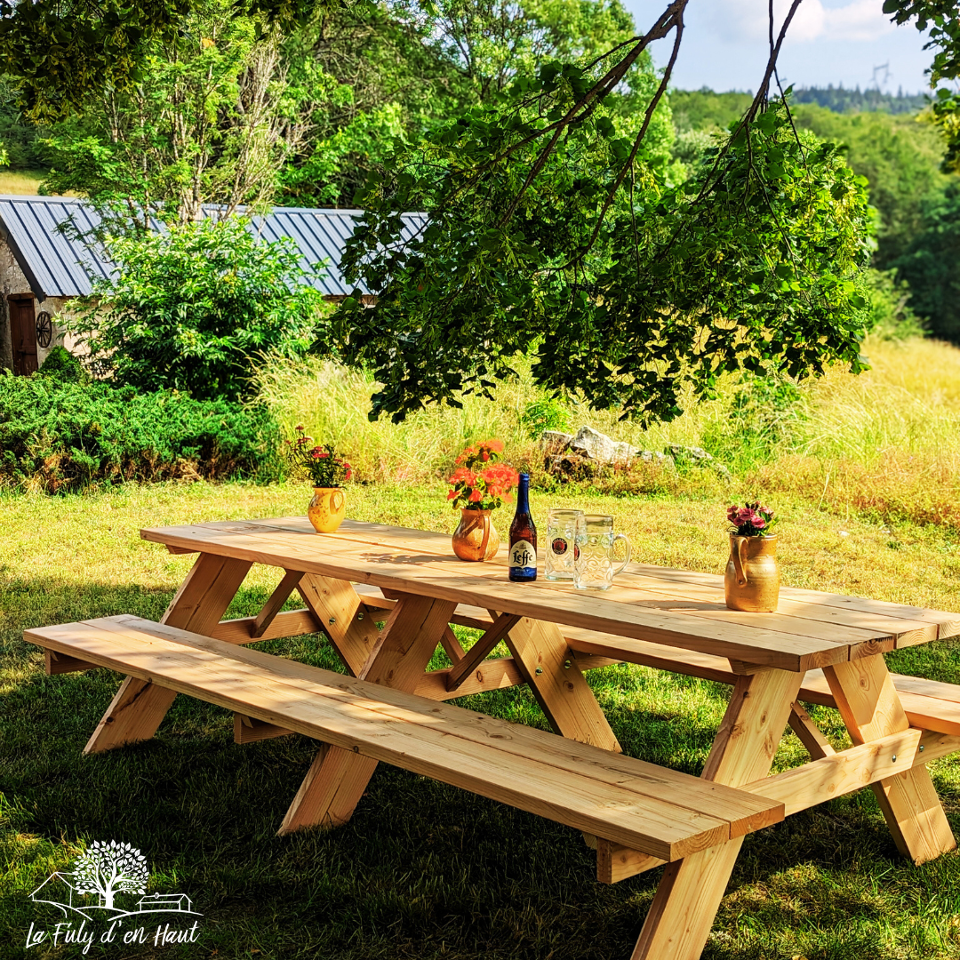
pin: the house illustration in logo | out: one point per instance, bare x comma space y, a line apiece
101, 875
58, 891
155, 902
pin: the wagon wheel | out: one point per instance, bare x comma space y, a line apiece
44, 329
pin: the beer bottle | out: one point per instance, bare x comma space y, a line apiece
523, 536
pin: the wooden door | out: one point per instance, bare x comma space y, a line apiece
23, 333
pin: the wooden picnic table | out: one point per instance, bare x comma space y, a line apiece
817, 647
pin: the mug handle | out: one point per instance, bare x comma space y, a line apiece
626, 559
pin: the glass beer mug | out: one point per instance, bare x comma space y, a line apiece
562, 527
596, 562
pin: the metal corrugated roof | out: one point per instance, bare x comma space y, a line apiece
61, 264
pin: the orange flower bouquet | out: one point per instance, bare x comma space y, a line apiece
479, 484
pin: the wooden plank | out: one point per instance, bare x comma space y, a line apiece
469, 662
138, 707
615, 862
343, 617
452, 646
948, 623
647, 654
337, 779
57, 663
272, 607
686, 902
868, 702
809, 733
845, 771
250, 730
921, 687
548, 666
290, 623
519, 765
792, 616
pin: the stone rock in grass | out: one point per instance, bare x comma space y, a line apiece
655, 456
597, 446
555, 441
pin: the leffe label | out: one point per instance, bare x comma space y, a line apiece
523, 554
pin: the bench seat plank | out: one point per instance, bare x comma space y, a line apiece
642, 805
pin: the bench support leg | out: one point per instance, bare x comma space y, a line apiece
139, 707
344, 618
690, 892
337, 778
548, 666
868, 702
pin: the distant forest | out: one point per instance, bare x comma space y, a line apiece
841, 100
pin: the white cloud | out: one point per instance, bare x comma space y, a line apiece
858, 20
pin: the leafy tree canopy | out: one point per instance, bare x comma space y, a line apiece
554, 226
931, 265
211, 118
627, 298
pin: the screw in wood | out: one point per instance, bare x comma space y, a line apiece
360, 615
539, 671
333, 619
893, 759
566, 664
921, 748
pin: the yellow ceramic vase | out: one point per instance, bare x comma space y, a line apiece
752, 578
476, 538
327, 509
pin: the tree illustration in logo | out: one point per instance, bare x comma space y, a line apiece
109, 869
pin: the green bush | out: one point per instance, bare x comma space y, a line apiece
63, 366
765, 413
62, 436
195, 307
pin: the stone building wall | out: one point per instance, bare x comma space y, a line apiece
12, 281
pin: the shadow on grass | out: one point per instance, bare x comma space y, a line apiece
423, 870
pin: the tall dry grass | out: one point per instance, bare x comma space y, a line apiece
885, 443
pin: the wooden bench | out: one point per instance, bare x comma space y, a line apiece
644, 807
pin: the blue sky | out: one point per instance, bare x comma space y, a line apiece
829, 41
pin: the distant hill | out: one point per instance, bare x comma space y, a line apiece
841, 100
704, 109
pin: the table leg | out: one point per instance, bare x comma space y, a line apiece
870, 707
690, 892
350, 627
337, 778
139, 707
546, 663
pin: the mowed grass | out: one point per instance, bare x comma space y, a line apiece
25, 182
424, 870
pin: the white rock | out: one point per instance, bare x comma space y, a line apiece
598, 446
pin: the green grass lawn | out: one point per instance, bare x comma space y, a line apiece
424, 870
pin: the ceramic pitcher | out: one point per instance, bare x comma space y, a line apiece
752, 578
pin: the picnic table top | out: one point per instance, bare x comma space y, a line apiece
677, 608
